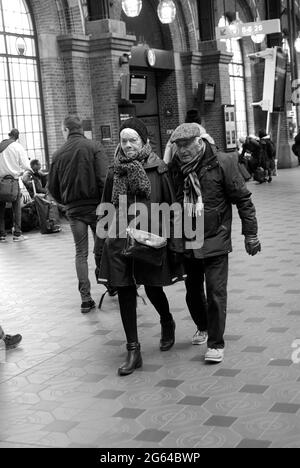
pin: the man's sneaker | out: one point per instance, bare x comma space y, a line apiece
12, 341
2, 238
214, 355
200, 338
19, 238
87, 306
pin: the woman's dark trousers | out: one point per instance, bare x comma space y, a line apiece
127, 301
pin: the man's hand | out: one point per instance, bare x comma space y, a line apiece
252, 245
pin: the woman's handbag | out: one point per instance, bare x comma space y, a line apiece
145, 247
9, 189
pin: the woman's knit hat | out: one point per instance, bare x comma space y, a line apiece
137, 125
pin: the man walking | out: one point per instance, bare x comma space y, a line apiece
13, 162
76, 180
208, 183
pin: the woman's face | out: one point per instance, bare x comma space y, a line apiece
131, 142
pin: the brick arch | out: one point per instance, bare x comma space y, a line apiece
45, 16
57, 16
179, 36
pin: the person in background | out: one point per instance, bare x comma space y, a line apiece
269, 151
251, 144
207, 184
10, 341
296, 147
36, 175
76, 180
13, 162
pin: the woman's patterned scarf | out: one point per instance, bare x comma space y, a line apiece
193, 202
130, 177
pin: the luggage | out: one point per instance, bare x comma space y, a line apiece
9, 189
47, 212
259, 175
29, 217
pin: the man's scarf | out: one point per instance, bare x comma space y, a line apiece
193, 202
130, 177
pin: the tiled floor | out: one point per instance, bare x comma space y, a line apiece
60, 389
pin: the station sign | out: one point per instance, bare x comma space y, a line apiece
238, 30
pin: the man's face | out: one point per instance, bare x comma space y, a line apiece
65, 132
131, 142
188, 149
37, 167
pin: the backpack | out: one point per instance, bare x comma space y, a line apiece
259, 175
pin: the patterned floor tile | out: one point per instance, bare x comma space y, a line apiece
193, 401
289, 408
220, 421
259, 389
247, 443
151, 435
59, 426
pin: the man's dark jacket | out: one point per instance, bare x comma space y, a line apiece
222, 186
78, 172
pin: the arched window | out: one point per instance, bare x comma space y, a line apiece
20, 105
237, 83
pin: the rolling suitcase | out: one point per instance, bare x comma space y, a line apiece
48, 213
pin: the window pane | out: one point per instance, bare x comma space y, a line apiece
16, 17
2, 45
20, 102
237, 84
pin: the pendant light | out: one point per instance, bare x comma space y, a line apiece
166, 11
132, 8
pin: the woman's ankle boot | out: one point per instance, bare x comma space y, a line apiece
167, 335
134, 359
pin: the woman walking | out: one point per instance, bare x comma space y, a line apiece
141, 176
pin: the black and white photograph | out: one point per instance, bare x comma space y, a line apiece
149, 227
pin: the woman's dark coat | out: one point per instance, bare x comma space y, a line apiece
115, 269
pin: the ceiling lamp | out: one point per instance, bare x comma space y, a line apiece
235, 25
132, 8
166, 11
297, 43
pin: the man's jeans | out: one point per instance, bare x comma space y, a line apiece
210, 315
79, 227
16, 208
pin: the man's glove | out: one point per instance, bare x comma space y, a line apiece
252, 245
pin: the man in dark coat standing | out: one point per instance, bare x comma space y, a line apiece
76, 180
207, 184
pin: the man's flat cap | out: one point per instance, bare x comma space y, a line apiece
185, 131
